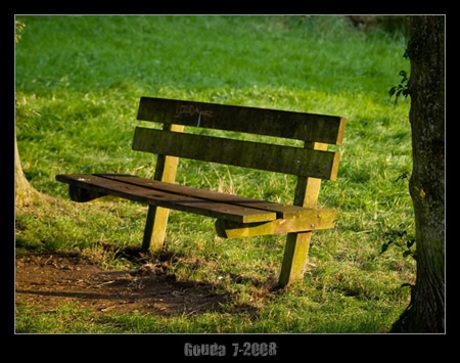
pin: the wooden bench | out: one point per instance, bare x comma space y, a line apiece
236, 216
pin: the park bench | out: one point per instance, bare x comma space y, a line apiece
236, 216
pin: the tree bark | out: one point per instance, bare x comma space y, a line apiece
425, 313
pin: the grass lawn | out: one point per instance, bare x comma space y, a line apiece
78, 83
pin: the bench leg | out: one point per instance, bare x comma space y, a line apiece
297, 244
157, 217
295, 257
155, 229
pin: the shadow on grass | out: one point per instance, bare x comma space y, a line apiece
47, 279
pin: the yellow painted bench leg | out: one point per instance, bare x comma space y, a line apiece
155, 229
295, 257
157, 217
297, 244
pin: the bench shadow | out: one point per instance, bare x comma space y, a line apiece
151, 287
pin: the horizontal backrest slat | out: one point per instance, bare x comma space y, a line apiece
286, 124
277, 158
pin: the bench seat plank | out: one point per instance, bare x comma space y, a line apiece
168, 200
164, 199
283, 211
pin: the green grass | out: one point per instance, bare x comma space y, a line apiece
78, 82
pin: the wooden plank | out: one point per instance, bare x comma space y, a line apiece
282, 210
286, 124
277, 158
167, 200
310, 220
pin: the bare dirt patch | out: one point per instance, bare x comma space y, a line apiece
47, 280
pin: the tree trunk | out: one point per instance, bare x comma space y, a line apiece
425, 312
24, 192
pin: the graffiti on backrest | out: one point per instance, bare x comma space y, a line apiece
191, 110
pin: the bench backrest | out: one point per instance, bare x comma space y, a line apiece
304, 162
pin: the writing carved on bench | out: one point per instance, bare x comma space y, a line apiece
191, 110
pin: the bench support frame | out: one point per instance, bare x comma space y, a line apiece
297, 244
157, 217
